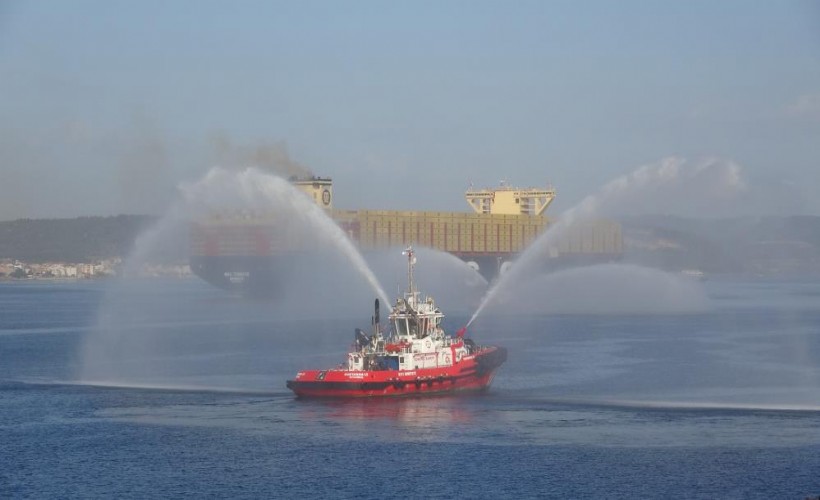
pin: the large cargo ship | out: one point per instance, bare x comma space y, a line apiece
240, 252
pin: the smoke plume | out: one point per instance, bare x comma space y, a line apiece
269, 156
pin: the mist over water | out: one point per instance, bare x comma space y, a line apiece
456, 287
254, 192
673, 185
607, 289
140, 339
607, 332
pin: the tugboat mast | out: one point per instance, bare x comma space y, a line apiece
411, 261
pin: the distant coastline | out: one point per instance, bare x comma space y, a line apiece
15, 270
78, 248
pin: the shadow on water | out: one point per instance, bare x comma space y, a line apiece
147, 388
536, 398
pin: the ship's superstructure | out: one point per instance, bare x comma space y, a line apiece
319, 189
510, 200
415, 356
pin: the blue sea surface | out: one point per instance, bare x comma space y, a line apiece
175, 389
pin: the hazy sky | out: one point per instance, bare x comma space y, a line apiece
106, 106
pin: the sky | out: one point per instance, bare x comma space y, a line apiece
106, 107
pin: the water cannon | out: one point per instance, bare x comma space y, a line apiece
461, 332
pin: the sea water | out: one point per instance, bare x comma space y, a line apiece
722, 402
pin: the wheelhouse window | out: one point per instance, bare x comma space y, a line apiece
414, 327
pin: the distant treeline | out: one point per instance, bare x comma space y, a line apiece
83, 239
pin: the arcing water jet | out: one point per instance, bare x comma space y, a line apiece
670, 185
267, 194
126, 347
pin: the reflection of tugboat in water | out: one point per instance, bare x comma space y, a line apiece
416, 357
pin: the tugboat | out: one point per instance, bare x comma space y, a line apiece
416, 357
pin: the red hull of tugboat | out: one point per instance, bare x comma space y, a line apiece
473, 373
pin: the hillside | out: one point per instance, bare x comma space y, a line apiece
83, 239
747, 245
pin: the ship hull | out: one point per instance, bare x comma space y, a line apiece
270, 275
261, 276
473, 373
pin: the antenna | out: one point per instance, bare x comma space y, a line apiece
411, 261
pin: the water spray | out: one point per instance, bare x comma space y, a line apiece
722, 178
264, 192
112, 354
